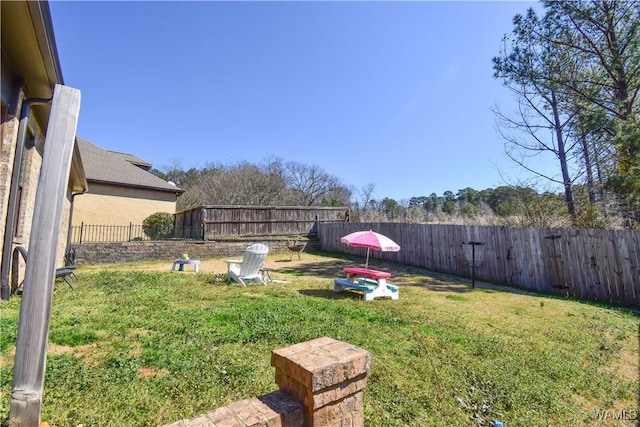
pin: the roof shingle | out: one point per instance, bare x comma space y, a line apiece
134, 160
109, 168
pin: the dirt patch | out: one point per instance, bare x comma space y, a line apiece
147, 372
81, 350
212, 265
627, 365
8, 358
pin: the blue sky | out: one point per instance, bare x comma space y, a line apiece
398, 94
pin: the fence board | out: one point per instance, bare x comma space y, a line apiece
602, 262
624, 265
593, 284
614, 271
599, 265
514, 273
578, 265
634, 262
497, 248
533, 258
258, 220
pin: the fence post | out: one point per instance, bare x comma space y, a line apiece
328, 377
81, 231
130, 226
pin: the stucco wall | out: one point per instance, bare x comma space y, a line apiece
112, 205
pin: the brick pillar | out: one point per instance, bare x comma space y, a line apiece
328, 377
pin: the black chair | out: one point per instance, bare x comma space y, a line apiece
67, 271
64, 274
70, 259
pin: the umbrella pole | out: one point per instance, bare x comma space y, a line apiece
366, 264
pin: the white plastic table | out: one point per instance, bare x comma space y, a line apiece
181, 262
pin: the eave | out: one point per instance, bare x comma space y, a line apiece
28, 43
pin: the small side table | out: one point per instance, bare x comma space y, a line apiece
297, 248
182, 262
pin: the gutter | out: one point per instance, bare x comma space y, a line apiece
43, 25
177, 190
70, 227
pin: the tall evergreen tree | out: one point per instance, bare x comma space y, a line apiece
595, 81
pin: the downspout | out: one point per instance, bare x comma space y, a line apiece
12, 206
69, 227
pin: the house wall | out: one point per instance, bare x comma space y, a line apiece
31, 172
9, 129
31, 166
114, 205
12, 100
12, 97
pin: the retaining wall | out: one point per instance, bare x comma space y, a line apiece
112, 253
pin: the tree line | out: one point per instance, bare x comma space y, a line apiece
514, 205
276, 182
575, 73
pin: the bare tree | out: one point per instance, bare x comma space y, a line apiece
310, 185
366, 194
274, 182
339, 195
240, 184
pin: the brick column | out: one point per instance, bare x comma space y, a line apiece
328, 377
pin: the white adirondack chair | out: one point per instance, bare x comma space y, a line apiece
248, 268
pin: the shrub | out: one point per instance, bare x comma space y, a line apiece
158, 225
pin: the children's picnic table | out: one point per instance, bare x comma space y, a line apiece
372, 282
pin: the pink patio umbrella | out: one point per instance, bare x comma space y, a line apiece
370, 240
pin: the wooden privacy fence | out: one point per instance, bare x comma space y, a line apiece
597, 265
215, 221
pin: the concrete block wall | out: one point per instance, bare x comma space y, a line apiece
111, 253
321, 385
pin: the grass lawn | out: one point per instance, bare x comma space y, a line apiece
137, 345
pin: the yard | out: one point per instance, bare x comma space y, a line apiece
138, 345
